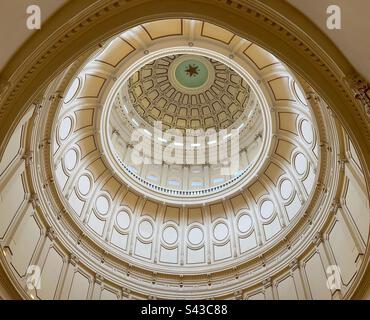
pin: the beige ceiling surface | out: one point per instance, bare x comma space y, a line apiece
352, 39
13, 29
67, 208
209, 228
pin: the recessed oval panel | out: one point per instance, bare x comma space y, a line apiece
286, 189
307, 132
300, 163
267, 209
102, 205
84, 185
221, 231
195, 236
72, 90
300, 95
244, 223
70, 159
123, 220
65, 128
170, 235
146, 229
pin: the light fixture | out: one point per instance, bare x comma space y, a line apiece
135, 122
212, 142
125, 108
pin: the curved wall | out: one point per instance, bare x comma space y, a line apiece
353, 219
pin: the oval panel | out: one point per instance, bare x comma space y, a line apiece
267, 209
244, 223
102, 205
301, 97
84, 185
170, 235
307, 132
300, 163
286, 189
65, 128
70, 159
146, 229
221, 231
123, 219
72, 90
195, 235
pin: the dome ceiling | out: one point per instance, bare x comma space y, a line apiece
106, 222
186, 228
154, 95
188, 92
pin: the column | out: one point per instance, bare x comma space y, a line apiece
185, 177
71, 269
164, 174
295, 271
206, 175
321, 248
267, 284
97, 287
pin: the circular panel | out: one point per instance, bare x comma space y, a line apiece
221, 231
195, 236
244, 223
102, 205
84, 185
191, 73
65, 128
145, 229
70, 159
72, 90
300, 163
307, 132
123, 219
267, 209
286, 189
170, 235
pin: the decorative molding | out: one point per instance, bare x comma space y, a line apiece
360, 90
254, 12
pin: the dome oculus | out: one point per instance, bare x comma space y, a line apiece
191, 73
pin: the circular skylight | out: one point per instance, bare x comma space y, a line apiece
191, 73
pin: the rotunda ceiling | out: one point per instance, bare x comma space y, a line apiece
183, 229
185, 207
189, 92
223, 111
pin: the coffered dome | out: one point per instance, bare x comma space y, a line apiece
213, 96
263, 193
194, 216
